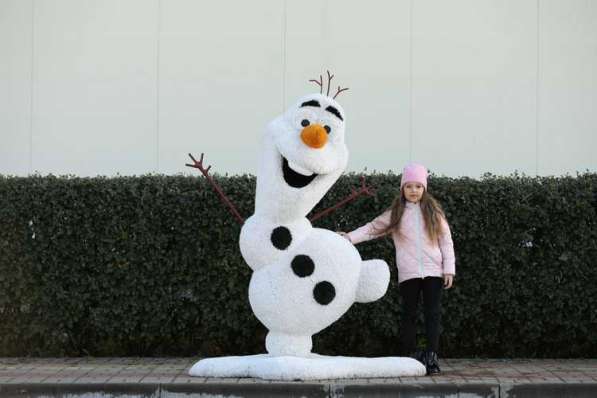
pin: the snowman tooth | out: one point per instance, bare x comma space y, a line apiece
299, 169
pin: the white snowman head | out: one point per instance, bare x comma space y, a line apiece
304, 153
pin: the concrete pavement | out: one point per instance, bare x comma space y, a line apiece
167, 377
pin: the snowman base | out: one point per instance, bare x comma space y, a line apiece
312, 367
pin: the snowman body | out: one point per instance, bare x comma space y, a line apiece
305, 290
304, 278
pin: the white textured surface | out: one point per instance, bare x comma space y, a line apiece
374, 279
312, 368
311, 276
275, 198
255, 242
285, 302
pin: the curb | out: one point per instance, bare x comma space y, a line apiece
283, 389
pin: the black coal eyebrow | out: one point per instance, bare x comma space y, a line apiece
334, 111
310, 103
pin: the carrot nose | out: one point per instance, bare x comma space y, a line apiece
314, 135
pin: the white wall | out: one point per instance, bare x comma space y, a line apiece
100, 87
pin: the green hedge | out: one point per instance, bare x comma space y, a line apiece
150, 265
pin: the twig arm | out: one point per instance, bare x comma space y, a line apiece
363, 190
205, 171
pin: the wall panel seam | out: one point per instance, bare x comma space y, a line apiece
157, 105
32, 87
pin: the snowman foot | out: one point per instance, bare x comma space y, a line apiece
314, 367
281, 344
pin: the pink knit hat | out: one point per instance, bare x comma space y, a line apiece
414, 172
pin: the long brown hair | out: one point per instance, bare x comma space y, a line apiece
432, 215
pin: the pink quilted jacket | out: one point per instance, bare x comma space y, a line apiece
416, 255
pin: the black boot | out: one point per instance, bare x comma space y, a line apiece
431, 363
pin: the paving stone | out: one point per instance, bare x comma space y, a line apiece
92, 379
467, 377
158, 380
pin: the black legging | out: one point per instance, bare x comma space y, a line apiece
410, 291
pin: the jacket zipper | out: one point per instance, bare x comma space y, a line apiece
419, 256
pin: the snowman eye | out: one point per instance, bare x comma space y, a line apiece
305, 123
327, 128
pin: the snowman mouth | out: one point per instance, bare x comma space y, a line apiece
295, 175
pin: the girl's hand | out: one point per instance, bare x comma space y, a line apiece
345, 235
448, 281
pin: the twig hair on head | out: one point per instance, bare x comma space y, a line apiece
339, 91
320, 84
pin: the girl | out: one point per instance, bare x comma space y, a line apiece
424, 257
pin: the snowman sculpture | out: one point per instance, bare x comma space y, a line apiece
304, 278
